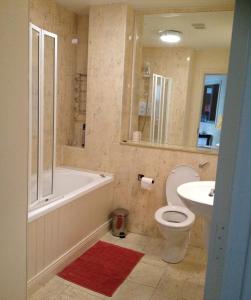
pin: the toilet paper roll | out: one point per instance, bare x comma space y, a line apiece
136, 136
147, 183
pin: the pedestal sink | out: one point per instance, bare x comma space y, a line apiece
198, 196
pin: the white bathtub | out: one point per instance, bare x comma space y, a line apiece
70, 184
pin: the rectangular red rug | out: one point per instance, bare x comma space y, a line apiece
102, 268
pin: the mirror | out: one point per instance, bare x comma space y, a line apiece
212, 110
179, 67
153, 114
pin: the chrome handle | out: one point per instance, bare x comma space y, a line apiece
203, 164
211, 194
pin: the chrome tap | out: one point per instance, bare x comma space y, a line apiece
212, 192
203, 163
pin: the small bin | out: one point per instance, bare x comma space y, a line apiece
119, 222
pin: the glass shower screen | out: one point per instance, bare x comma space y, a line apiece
42, 114
160, 91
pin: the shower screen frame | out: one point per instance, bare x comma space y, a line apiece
42, 34
162, 115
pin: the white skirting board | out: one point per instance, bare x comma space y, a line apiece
61, 262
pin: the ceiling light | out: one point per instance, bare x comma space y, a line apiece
170, 36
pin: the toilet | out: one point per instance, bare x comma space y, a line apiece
175, 220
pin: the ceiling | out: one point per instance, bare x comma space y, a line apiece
217, 32
82, 6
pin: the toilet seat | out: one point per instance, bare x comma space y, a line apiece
180, 218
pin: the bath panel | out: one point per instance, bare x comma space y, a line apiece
63, 229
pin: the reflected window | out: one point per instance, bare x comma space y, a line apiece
212, 110
210, 100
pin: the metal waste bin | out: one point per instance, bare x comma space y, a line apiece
119, 222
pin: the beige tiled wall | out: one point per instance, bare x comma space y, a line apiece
128, 78
106, 66
54, 18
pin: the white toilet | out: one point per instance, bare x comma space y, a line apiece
175, 220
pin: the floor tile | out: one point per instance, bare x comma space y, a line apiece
146, 274
133, 291
131, 246
51, 290
73, 293
109, 238
154, 260
80, 288
155, 247
192, 291
136, 239
168, 289
132, 241
192, 268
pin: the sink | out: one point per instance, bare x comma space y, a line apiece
198, 196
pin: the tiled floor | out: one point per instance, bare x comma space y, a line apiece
151, 279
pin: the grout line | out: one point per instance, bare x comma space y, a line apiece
158, 284
86, 290
163, 273
140, 283
151, 297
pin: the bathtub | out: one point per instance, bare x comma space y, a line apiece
69, 223
70, 184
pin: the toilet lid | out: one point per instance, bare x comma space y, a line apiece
178, 176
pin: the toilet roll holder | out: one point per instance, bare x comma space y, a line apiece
140, 176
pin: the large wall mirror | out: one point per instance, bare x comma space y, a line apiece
179, 77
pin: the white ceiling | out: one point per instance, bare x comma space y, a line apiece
217, 32
81, 6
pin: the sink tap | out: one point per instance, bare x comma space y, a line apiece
203, 164
212, 192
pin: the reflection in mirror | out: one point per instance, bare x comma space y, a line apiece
178, 87
212, 110
153, 114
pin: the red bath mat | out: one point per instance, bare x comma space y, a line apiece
102, 268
